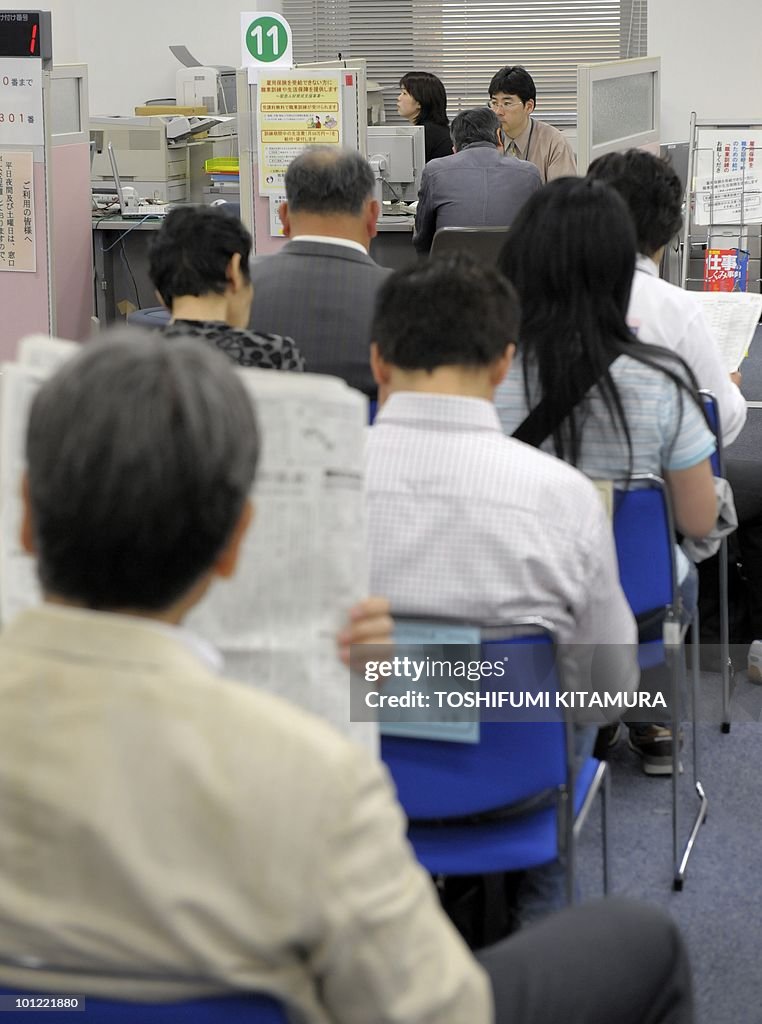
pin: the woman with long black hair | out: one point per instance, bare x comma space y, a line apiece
607, 403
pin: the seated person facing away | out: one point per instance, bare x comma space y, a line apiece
168, 833
625, 407
513, 97
476, 186
466, 524
662, 314
320, 287
659, 312
423, 100
200, 270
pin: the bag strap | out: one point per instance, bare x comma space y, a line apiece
549, 414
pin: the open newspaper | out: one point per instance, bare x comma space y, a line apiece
733, 317
304, 560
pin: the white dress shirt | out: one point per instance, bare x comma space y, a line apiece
466, 523
662, 314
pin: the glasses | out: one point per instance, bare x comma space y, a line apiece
505, 104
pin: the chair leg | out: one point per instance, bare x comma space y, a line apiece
724, 636
681, 861
605, 804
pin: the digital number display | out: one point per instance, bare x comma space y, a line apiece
19, 34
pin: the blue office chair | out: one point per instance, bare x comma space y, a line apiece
248, 1009
718, 468
645, 542
510, 801
152, 317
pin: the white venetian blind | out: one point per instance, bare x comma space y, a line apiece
465, 41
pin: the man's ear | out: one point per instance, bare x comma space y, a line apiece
529, 106
227, 561
499, 136
499, 369
27, 529
285, 219
372, 213
381, 370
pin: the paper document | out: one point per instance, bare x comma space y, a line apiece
303, 564
304, 560
733, 318
733, 198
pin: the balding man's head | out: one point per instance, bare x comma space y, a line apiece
330, 192
326, 179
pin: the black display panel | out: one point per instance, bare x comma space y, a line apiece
20, 34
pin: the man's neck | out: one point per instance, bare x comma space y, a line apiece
200, 307
336, 226
445, 380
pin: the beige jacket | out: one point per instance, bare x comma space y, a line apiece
168, 833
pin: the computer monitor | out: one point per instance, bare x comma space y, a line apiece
397, 154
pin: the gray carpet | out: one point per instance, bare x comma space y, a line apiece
720, 907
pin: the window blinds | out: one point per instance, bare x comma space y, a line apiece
464, 42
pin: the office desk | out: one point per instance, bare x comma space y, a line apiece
120, 252
124, 278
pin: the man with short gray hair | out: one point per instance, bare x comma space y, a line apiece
321, 287
477, 186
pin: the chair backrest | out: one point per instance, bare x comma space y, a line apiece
246, 1009
483, 243
712, 411
644, 537
514, 759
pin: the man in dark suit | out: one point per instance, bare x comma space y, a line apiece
477, 186
321, 287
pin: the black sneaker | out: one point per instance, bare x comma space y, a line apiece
654, 745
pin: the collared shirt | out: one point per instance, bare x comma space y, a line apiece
330, 240
546, 147
662, 314
468, 524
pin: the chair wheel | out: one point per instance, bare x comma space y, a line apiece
726, 727
677, 884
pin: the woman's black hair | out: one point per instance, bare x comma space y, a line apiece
429, 91
570, 253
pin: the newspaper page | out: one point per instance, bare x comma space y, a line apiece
733, 318
46, 353
38, 357
303, 563
18, 579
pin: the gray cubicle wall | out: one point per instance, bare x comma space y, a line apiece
618, 107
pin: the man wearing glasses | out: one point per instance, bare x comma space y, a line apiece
512, 95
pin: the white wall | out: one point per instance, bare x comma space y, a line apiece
711, 61
710, 53
125, 42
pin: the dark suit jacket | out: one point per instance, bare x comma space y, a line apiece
473, 188
322, 296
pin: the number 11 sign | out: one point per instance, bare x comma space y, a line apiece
266, 41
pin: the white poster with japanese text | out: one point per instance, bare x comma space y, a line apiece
18, 247
21, 121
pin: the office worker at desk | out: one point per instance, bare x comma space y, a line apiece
320, 288
476, 186
199, 266
423, 100
513, 97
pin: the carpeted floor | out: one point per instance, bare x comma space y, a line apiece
720, 907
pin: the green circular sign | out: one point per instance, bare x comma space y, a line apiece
266, 39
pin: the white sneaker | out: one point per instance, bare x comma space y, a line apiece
754, 667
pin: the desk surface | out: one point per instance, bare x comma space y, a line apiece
115, 222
